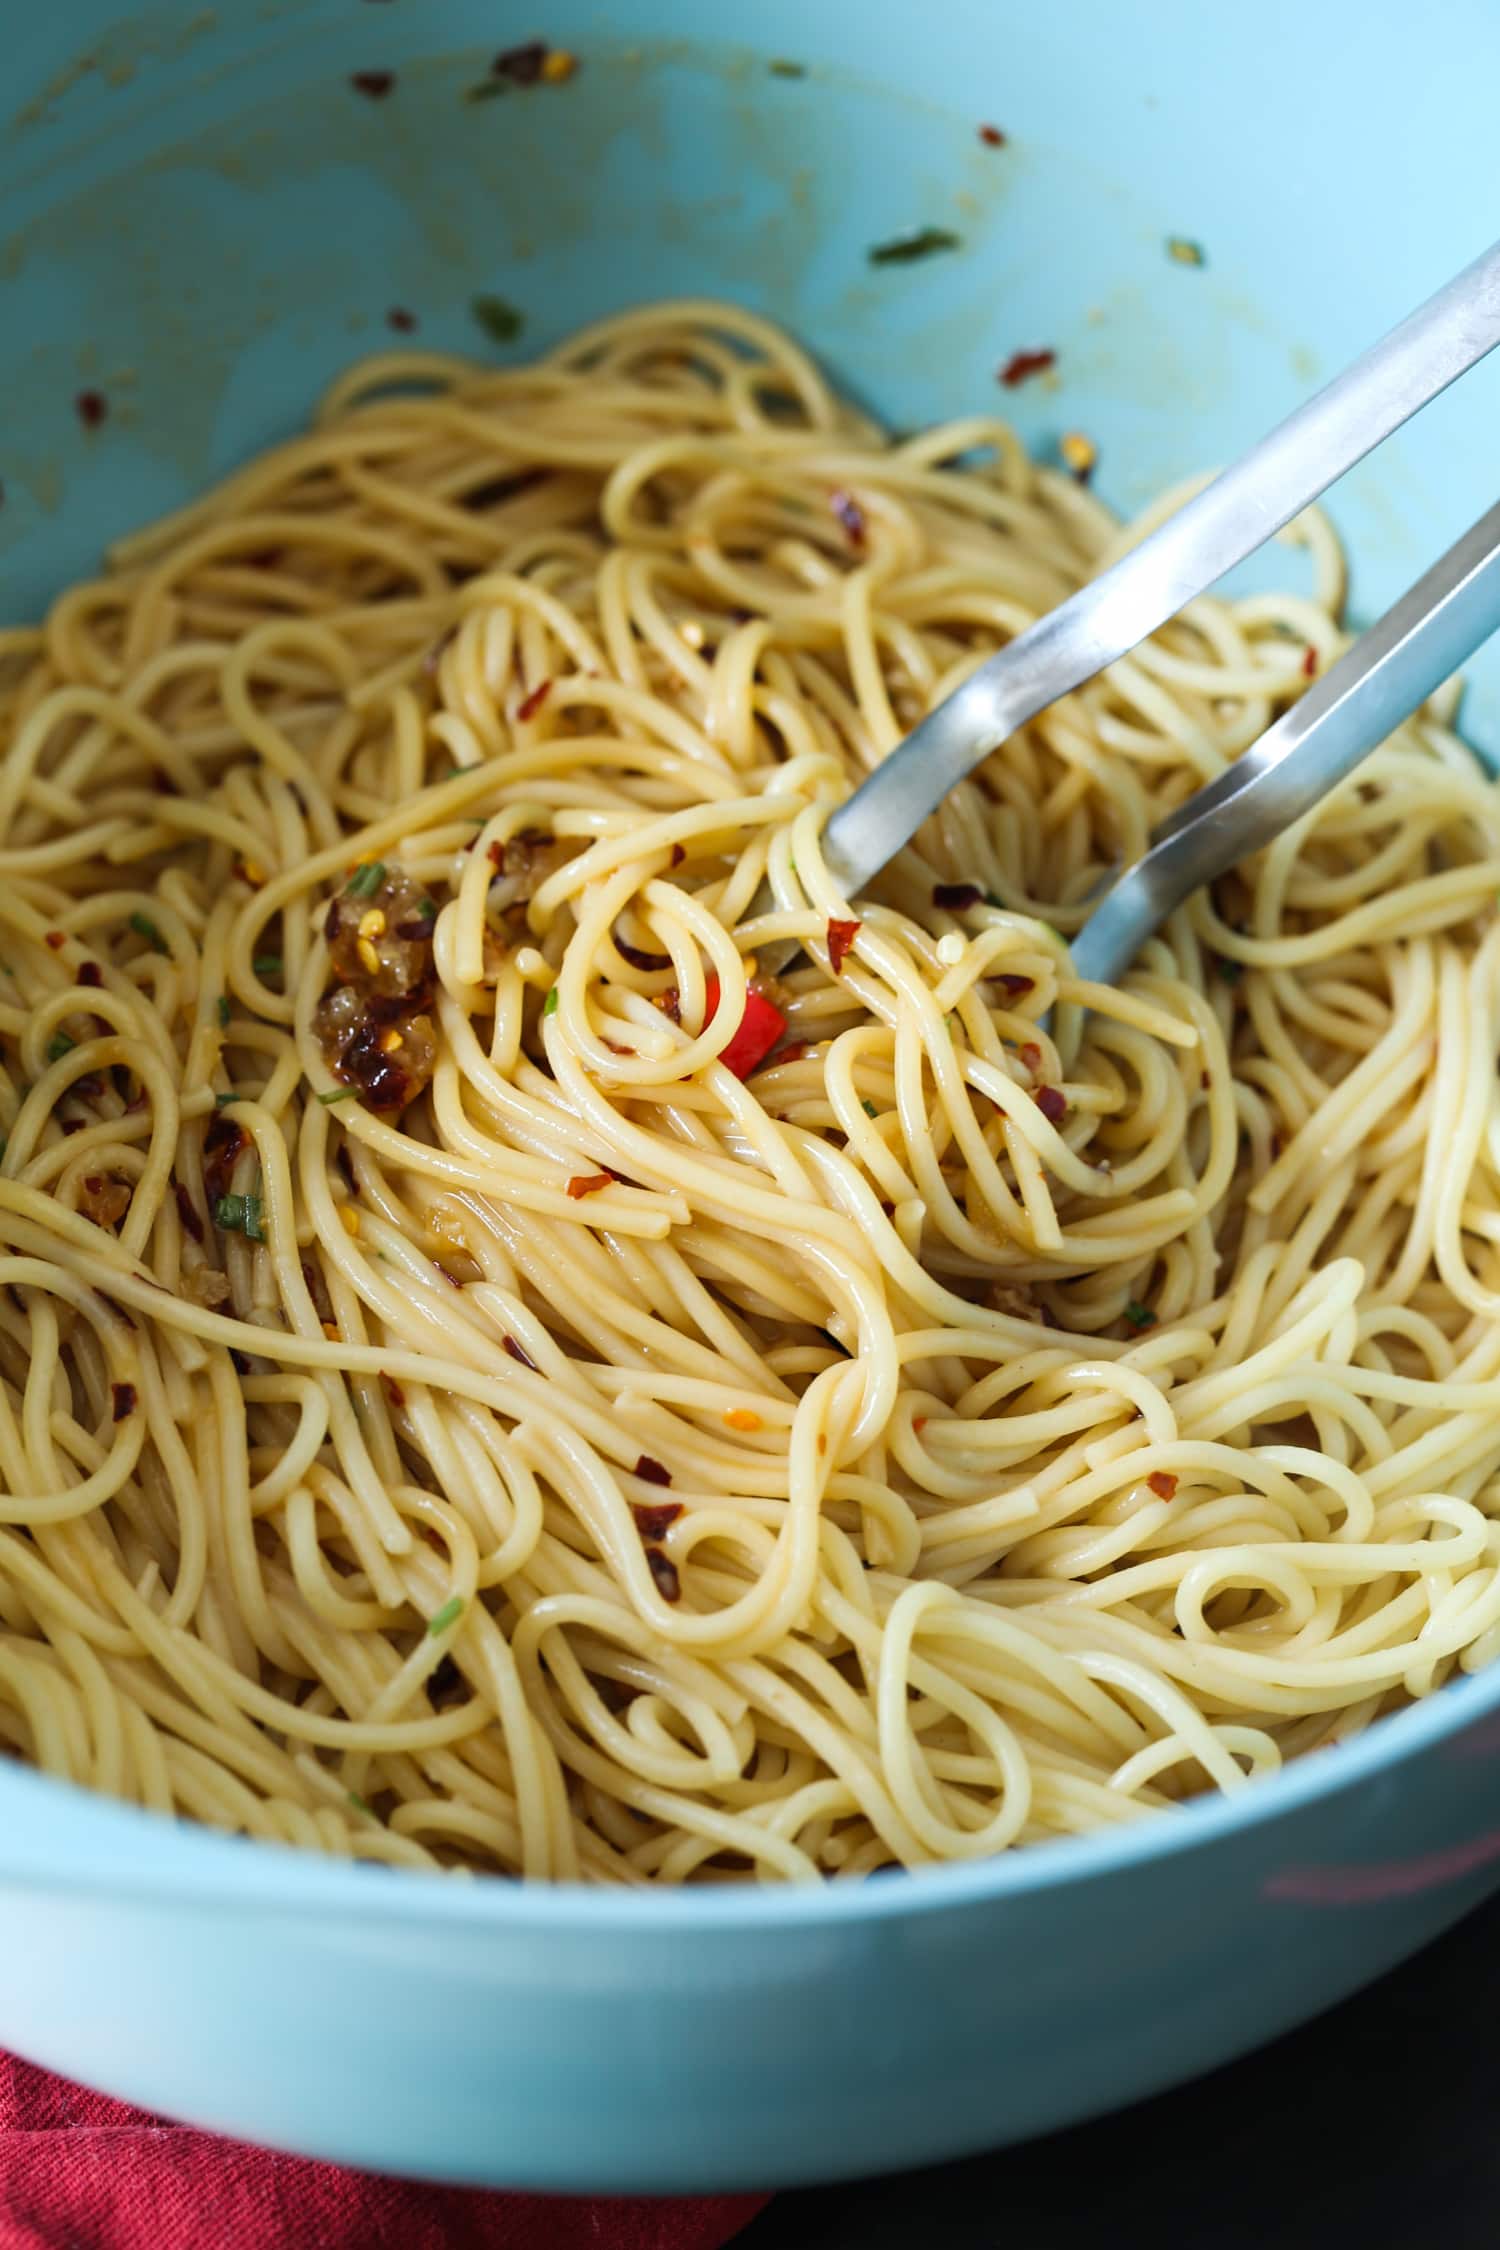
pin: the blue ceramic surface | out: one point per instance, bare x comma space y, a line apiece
202, 218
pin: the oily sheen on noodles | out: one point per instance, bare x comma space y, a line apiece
490, 1376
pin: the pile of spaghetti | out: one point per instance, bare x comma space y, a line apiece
491, 1375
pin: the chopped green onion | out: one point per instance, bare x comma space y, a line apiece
487, 90
499, 320
779, 67
426, 910
451, 1611
144, 927
61, 1045
1184, 252
358, 1802
267, 964
223, 1005
870, 1110
222, 1101
1139, 1316
339, 1094
366, 880
549, 1005
241, 1214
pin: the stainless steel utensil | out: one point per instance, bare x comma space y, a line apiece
1430, 631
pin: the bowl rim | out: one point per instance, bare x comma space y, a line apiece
127, 1852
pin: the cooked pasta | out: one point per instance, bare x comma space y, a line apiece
492, 1374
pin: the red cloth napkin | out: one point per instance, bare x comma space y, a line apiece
81, 2172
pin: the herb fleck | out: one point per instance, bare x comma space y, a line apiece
499, 319
144, 927
450, 1613
907, 249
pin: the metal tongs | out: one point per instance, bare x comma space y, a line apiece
1383, 677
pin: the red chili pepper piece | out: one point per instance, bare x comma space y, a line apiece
1162, 1483
588, 1183
760, 1027
1053, 1103
529, 708
841, 935
653, 1471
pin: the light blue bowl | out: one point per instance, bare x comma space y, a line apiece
200, 217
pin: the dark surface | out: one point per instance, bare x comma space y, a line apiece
1375, 2128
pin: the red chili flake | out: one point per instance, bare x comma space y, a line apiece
1031, 1056
191, 1223
588, 1183
1310, 665
670, 1004
640, 956
533, 702
956, 898
664, 1571
1022, 365
794, 1053
122, 1400
1162, 1483
652, 1471
678, 855
1053, 1103
851, 515
91, 408
841, 935
654, 1523
919, 1424
91, 975
222, 1145
57, 939
1016, 986
522, 1357
992, 136
521, 65
1204, 1080
401, 320
393, 1390
374, 84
